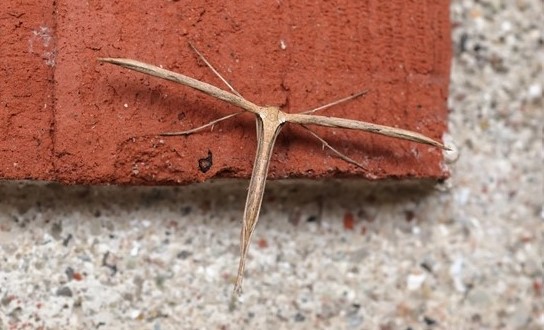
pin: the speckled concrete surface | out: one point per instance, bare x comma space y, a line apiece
467, 254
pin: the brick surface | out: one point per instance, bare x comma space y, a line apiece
65, 117
26, 90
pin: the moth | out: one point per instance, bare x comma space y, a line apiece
269, 121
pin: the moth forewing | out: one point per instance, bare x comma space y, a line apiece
184, 80
363, 126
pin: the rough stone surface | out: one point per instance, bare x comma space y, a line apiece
67, 118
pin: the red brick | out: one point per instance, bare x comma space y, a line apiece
27, 55
96, 123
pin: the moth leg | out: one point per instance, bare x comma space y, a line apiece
338, 153
194, 130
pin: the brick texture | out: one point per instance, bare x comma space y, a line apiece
65, 117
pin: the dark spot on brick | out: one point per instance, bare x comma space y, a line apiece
205, 163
